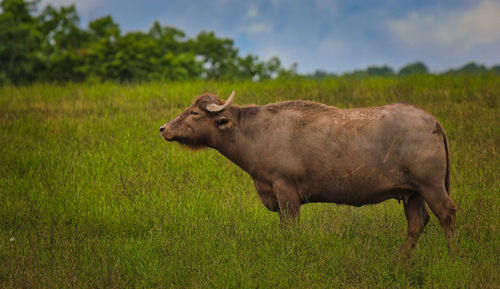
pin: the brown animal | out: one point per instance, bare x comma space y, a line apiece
299, 152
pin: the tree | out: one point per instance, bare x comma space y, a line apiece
321, 74
371, 71
100, 53
216, 54
62, 50
413, 68
495, 69
169, 39
288, 73
20, 40
380, 71
172, 57
469, 68
250, 67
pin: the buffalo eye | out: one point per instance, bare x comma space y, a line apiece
194, 112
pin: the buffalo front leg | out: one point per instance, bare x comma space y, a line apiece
289, 202
267, 195
417, 217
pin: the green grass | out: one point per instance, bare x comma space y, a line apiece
93, 197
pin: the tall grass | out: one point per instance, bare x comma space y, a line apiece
92, 197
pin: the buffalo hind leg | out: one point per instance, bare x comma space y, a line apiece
444, 208
417, 217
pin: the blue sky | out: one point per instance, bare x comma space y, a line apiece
335, 36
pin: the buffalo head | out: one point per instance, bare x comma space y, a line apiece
199, 125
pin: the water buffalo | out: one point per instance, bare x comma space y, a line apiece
299, 152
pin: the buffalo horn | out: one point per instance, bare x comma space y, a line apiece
218, 108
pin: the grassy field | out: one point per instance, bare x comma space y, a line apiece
92, 197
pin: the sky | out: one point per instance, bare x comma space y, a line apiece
335, 36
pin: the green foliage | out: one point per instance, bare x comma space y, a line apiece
52, 47
413, 68
417, 68
469, 68
19, 40
60, 53
380, 71
321, 74
92, 197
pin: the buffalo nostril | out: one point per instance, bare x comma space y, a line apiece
162, 128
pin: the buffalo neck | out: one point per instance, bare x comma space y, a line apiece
233, 143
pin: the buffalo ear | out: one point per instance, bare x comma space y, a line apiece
223, 122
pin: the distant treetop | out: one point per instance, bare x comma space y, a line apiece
413, 68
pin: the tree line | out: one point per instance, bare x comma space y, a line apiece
48, 45
415, 68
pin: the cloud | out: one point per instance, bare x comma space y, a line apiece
332, 46
326, 6
252, 12
276, 3
257, 28
457, 31
254, 23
